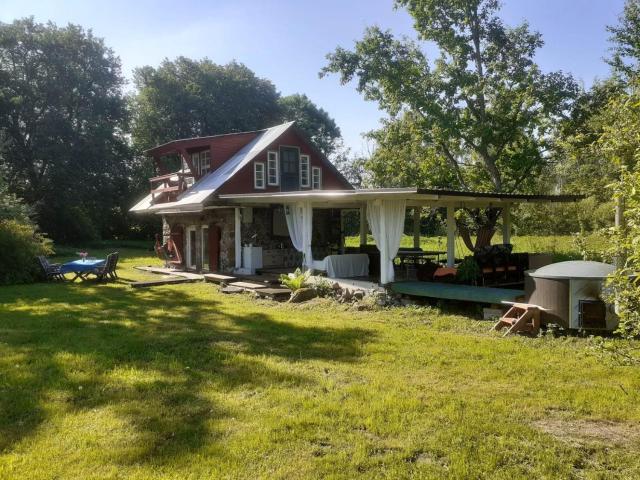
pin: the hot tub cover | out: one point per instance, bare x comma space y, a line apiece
573, 269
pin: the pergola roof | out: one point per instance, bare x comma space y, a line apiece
413, 196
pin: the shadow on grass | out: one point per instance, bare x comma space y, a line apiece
153, 356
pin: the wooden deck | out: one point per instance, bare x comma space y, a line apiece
464, 293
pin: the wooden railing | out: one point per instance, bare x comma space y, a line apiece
171, 184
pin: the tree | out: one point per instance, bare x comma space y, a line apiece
20, 241
313, 120
625, 37
189, 98
483, 107
63, 121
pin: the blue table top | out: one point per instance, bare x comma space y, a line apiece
81, 265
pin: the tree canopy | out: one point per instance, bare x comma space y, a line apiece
187, 98
62, 121
481, 114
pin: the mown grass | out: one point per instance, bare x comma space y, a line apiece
104, 381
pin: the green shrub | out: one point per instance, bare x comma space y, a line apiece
468, 271
296, 280
588, 215
323, 287
20, 243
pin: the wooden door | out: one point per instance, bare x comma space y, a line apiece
214, 247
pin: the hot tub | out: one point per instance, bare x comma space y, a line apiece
572, 293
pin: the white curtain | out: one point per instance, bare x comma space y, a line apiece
300, 224
386, 220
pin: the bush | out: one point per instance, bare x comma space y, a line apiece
323, 287
20, 243
588, 215
468, 271
296, 280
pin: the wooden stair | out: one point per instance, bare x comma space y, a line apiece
520, 318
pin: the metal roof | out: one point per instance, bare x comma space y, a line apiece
575, 269
193, 198
413, 196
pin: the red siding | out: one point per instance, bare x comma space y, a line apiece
223, 148
242, 182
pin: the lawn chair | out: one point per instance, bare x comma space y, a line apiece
107, 270
51, 271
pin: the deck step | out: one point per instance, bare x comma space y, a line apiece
279, 294
218, 278
248, 285
163, 281
229, 290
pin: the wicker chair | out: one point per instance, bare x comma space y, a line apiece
51, 271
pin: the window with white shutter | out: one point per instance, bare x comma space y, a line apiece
273, 170
304, 171
316, 178
258, 175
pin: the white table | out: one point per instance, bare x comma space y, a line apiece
346, 266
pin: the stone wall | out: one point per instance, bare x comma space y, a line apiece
224, 218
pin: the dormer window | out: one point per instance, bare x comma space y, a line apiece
201, 162
205, 162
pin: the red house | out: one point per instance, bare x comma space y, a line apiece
194, 173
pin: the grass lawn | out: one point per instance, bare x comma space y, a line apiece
181, 382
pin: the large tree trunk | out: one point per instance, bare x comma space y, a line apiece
486, 228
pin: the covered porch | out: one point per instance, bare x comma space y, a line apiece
382, 213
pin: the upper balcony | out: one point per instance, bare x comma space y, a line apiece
166, 188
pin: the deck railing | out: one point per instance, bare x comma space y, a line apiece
167, 187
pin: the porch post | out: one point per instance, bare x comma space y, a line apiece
342, 235
416, 227
506, 224
451, 236
363, 224
238, 238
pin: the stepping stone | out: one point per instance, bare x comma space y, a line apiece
218, 278
248, 285
231, 290
164, 281
279, 294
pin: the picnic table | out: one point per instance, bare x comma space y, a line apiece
81, 268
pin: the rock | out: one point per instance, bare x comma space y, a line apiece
347, 295
303, 295
336, 286
406, 302
359, 295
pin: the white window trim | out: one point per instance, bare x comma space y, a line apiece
202, 160
317, 170
255, 176
306, 161
276, 165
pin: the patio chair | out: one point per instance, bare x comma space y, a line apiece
107, 270
51, 271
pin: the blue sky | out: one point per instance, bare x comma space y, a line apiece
287, 40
